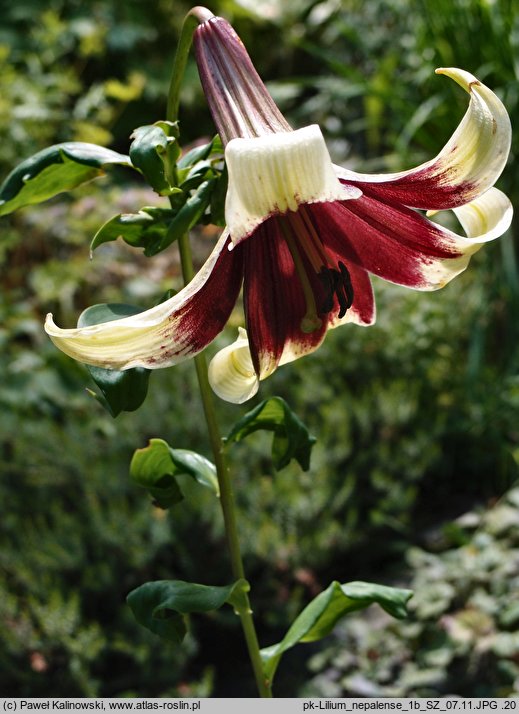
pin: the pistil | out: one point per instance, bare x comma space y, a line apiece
310, 322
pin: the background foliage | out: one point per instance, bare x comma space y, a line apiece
416, 418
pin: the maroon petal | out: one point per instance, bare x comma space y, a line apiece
274, 301
431, 192
204, 315
391, 241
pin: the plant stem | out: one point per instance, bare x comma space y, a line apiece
196, 15
226, 492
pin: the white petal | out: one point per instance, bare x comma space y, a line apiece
231, 372
275, 173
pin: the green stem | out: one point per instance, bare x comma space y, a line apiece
196, 15
226, 492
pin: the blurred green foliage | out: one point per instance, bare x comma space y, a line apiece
416, 417
462, 637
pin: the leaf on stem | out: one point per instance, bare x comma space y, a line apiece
120, 390
154, 152
162, 606
322, 614
187, 217
201, 153
217, 208
192, 185
157, 466
58, 168
291, 439
145, 229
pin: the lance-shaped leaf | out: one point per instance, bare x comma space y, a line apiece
322, 614
291, 439
154, 152
56, 169
217, 208
162, 606
188, 216
200, 153
144, 229
157, 466
200, 164
120, 390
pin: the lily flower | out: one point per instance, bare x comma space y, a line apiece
303, 235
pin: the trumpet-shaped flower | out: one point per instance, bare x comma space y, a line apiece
303, 235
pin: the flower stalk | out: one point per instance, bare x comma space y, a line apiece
244, 611
192, 19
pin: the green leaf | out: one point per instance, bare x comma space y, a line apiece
187, 216
56, 169
191, 179
322, 614
157, 466
199, 153
200, 164
291, 440
140, 230
217, 210
153, 151
162, 606
154, 469
196, 466
120, 390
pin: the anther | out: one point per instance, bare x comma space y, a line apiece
327, 280
346, 281
336, 283
341, 296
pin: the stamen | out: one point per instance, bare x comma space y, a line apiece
343, 302
313, 248
302, 237
310, 322
313, 235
